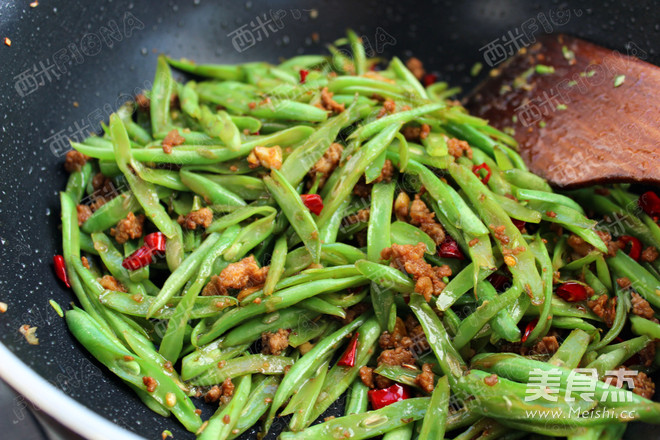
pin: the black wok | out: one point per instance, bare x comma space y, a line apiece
71, 63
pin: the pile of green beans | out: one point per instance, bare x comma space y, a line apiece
327, 281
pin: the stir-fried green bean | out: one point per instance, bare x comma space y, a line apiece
271, 194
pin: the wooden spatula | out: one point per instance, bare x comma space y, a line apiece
582, 114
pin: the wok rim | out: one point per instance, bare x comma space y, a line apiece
54, 402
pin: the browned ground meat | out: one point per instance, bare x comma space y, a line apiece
578, 245
227, 390
84, 212
367, 376
386, 173
513, 347
499, 233
604, 307
508, 252
411, 132
244, 293
458, 147
641, 307
354, 312
612, 245
411, 323
85, 262
426, 378
361, 216
416, 67
547, 346
143, 102
275, 343
128, 228
100, 198
239, 275
175, 103
327, 164
409, 258
150, 383
267, 157
361, 238
398, 338
426, 130
220, 393
382, 381
642, 384
213, 394
388, 108
172, 139
650, 254
623, 282
74, 161
582, 248
202, 217
423, 218
362, 189
416, 132
104, 191
647, 354
397, 356
590, 290
330, 104
402, 206
419, 343
109, 282
102, 183
491, 380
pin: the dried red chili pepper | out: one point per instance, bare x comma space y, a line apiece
528, 330
313, 202
483, 166
60, 269
572, 292
348, 358
519, 224
429, 79
303, 75
500, 282
388, 396
635, 246
155, 241
634, 360
650, 203
142, 257
449, 249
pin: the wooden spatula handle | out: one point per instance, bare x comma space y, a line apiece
596, 118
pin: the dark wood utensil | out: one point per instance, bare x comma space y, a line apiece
581, 113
